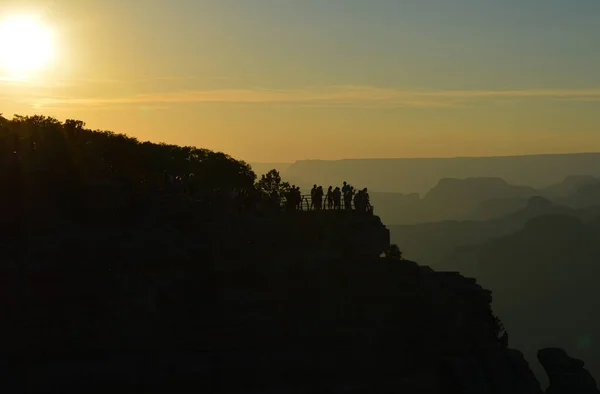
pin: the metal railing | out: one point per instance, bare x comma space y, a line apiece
306, 204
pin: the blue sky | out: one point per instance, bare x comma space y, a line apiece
469, 43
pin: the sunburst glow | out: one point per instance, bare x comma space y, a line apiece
26, 44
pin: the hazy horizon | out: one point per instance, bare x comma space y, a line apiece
283, 81
428, 158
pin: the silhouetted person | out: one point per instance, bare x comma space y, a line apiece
298, 197
319, 198
367, 201
348, 197
330, 198
345, 188
361, 201
313, 193
290, 199
358, 201
337, 198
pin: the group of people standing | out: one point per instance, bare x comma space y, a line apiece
344, 198
334, 198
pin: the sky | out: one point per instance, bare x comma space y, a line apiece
285, 80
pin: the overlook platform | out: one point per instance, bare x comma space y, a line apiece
307, 205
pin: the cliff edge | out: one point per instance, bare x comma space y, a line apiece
183, 301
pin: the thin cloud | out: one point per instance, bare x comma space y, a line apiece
129, 81
332, 96
54, 82
531, 93
14, 80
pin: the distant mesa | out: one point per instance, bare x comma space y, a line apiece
538, 202
262, 168
420, 175
587, 195
569, 186
477, 189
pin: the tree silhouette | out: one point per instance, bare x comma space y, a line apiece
500, 331
394, 252
271, 183
69, 153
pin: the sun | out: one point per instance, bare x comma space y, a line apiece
26, 44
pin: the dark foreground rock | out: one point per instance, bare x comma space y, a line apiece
567, 375
193, 304
499, 371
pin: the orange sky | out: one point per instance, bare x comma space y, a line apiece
328, 80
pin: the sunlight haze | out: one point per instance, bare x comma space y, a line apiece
279, 81
26, 45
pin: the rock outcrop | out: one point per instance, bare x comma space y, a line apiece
567, 375
500, 371
183, 302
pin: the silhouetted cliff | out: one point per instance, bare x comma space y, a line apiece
568, 186
179, 301
233, 320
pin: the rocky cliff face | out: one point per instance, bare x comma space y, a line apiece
188, 302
